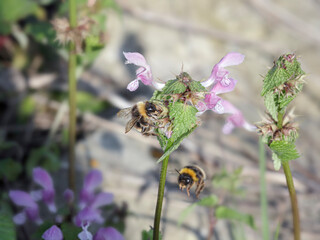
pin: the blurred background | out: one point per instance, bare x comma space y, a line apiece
172, 35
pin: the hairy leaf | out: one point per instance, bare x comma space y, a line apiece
174, 87
271, 105
196, 86
285, 151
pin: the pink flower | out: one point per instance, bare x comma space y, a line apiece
143, 73
220, 82
220, 75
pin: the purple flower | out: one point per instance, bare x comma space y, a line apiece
220, 82
108, 233
91, 202
31, 210
53, 233
68, 196
91, 182
143, 73
42, 177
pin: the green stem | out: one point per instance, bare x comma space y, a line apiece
72, 97
294, 202
292, 191
157, 217
263, 190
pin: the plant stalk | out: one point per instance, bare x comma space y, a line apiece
157, 217
263, 191
294, 202
72, 96
292, 191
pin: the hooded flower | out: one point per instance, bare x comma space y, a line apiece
31, 210
220, 82
108, 233
90, 202
91, 182
53, 233
42, 177
143, 73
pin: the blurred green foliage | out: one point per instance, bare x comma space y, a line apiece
47, 156
228, 181
10, 169
148, 235
7, 228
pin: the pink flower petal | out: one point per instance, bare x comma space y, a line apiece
219, 74
136, 59
232, 58
219, 88
132, 86
53, 233
108, 233
143, 73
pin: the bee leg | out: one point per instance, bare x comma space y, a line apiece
188, 191
199, 188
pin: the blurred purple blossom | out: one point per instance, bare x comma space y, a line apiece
108, 233
91, 182
68, 196
53, 233
42, 177
31, 210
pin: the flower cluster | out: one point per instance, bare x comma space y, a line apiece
89, 205
219, 82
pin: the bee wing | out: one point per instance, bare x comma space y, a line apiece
124, 112
131, 124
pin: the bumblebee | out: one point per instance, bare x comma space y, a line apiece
190, 175
146, 117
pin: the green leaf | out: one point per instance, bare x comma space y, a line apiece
271, 105
223, 212
196, 86
88, 103
7, 228
13, 10
70, 231
228, 180
285, 151
276, 162
42, 32
46, 157
184, 121
170, 147
26, 108
183, 118
174, 87
10, 169
209, 201
148, 235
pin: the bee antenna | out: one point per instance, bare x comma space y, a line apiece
177, 171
